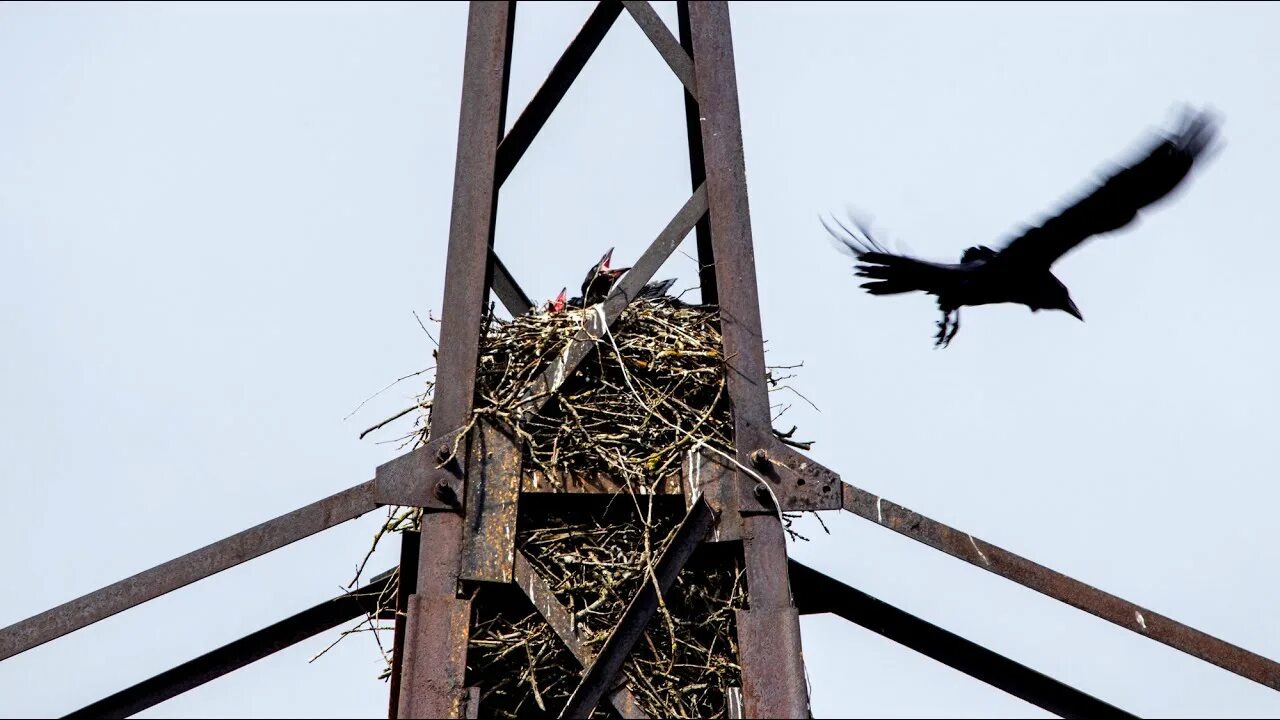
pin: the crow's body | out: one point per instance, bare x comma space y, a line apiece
1020, 272
600, 281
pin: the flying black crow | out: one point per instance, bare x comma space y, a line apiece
1020, 271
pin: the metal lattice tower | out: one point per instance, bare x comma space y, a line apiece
470, 499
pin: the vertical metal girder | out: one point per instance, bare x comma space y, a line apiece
438, 622
773, 682
435, 657
697, 169
493, 491
406, 586
465, 283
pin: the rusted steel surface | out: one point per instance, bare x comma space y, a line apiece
434, 662
773, 682
540, 390
1008, 565
667, 45
410, 543
493, 491
437, 626
799, 483
553, 89
767, 586
624, 636
471, 222
697, 168
770, 638
710, 476
180, 572
817, 593
730, 216
539, 592
535, 481
237, 654
411, 479
513, 297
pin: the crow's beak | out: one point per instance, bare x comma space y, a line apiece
617, 272
604, 261
1073, 311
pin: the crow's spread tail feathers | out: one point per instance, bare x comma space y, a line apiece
888, 272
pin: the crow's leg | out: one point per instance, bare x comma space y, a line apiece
947, 327
943, 325
955, 327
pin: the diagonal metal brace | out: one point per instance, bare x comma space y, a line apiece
1011, 566
553, 89
544, 600
665, 43
238, 653
541, 389
816, 593
600, 675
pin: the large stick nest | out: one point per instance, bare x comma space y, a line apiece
653, 390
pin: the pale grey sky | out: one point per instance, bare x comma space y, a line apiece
215, 221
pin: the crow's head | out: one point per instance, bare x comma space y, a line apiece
558, 304
1053, 295
601, 277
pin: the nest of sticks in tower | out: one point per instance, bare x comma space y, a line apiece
653, 391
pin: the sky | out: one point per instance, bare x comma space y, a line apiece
218, 220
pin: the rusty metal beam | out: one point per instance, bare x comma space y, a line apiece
599, 677
773, 680
493, 493
182, 571
437, 628
437, 624
534, 116
407, 584
412, 479
816, 593
664, 42
697, 167
471, 222
539, 391
539, 592
544, 102
235, 655
1127, 615
513, 297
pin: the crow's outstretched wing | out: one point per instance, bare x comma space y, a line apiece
889, 272
1117, 201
